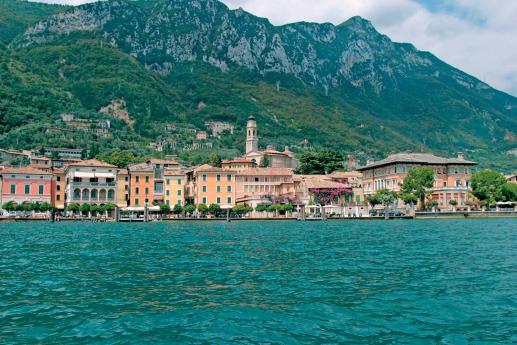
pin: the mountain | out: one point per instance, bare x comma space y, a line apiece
187, 62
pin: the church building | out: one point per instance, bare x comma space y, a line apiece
275, 158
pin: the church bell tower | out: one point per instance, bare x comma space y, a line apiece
251, 135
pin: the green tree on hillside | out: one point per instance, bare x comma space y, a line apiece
264, 163
417, 185
320, 163
119, 158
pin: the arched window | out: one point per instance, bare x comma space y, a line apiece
94, 194
102, 195
86, 195
77, 194
111, 194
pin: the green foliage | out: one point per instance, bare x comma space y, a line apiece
165, 209
178, 209
264, 163
453, 203
320, 163
242, 209
85, 208
73, 207
119, 158
261, 208
9, 206
417, 185
214, 209
202, 208
383, 197
215, 160
510, 192
190, 208
488, 186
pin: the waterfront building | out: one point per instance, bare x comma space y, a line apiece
25, 185
91, 182
175, 185
276, 158
147, 181
59, 188
452, 175
264, 186
122, 188
511, 178
211, 185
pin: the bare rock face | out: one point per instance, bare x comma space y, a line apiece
173, 31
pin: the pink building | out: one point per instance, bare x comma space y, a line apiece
25, 185
258, 185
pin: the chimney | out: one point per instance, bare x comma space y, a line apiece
369, 161
461, 156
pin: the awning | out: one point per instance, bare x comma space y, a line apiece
106, 175
84, 174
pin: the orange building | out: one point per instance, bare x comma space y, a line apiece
211, 185
122, 188
452, 175
175, 183
59, 188
147, 182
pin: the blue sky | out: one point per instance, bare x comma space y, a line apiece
477, 36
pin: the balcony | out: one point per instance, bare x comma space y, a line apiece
94, 184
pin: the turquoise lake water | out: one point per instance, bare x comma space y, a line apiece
373, 282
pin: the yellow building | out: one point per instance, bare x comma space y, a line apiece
214, 186
175, 182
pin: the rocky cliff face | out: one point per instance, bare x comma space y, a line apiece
172, 31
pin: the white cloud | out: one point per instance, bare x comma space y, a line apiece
477, 36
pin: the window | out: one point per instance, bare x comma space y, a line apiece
229, 200
204, 201
168, 182
179, 192
146, 190
58, 187
126, 178
146, 201
168, 193
204, 189
167, 202
218, 188
218, 177
137, 190
179, 181
179, 202
137, 202
229, 177
204, 177
58, 178
58, 197
147, 179
218, 200
40, 189
13, 188
229, 189
445, 184
137, 179
27, 189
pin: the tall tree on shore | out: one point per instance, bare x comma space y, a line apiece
417, 185
488, 186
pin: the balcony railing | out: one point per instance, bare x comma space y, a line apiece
94, 184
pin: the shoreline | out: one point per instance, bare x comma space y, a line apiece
474, 215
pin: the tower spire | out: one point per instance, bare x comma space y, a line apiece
251, 135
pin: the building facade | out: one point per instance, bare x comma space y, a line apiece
212, 185
91, 182
451, 175
25, 185
175, 188
263, 185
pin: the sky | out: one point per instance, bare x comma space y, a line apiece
476, 36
